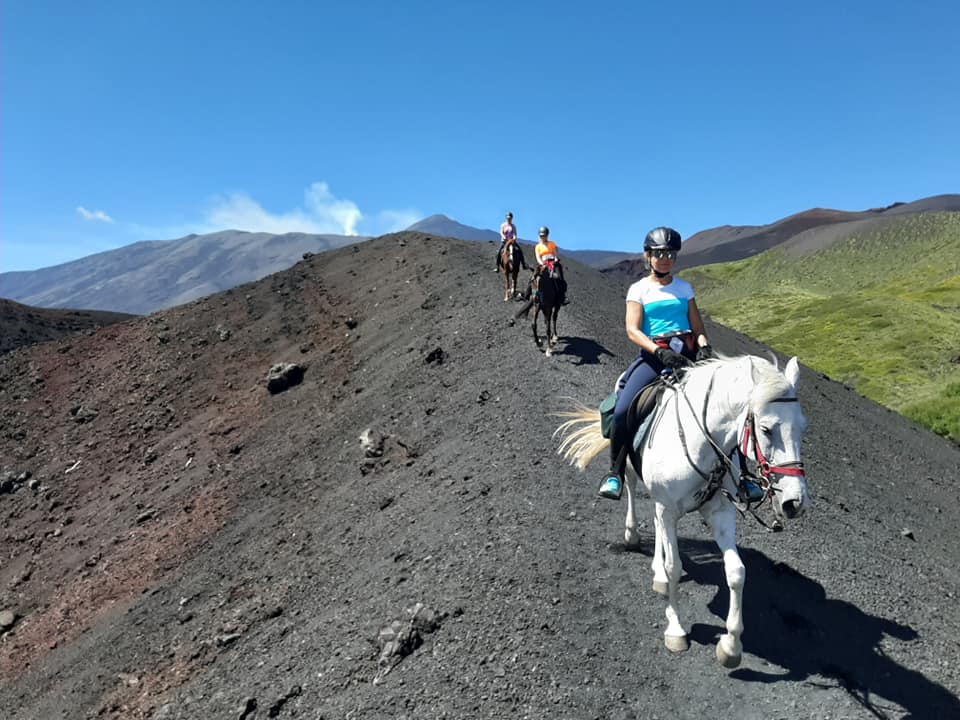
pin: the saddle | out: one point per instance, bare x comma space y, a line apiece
640, 408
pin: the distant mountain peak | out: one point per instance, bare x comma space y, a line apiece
444, 226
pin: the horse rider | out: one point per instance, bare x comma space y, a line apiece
547, 251
662, 318
508, 236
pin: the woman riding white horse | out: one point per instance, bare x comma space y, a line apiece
720, 407
662, 318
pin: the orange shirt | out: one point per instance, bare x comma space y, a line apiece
544, 249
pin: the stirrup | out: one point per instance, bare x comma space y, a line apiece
611, 487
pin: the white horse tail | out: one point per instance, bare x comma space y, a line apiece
582, 438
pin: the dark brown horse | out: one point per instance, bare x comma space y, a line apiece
545, 293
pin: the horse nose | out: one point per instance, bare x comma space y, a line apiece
792, 508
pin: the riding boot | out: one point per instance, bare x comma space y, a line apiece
749, 491
612, 484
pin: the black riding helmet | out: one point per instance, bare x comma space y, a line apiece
662, 238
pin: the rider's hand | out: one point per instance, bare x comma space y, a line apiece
670, 359
705, 353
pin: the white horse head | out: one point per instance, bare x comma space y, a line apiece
775, 426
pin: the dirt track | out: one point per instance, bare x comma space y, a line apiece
195, 547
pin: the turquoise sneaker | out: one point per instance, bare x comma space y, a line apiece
750, 492
611, 487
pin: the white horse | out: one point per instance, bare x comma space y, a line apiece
742, 405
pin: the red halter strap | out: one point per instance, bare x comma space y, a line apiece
793, 468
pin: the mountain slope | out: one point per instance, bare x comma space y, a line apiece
196, 547
25, 325
148, 276
875, 304
818, 226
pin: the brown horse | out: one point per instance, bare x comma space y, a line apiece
511, 268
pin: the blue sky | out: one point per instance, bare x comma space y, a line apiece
128, 121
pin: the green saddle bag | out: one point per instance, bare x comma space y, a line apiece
606, 414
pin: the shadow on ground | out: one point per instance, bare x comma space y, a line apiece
587, 351
790, 622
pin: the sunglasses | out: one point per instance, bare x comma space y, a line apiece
664, 254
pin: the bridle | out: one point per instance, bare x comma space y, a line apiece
767, 471
768, 476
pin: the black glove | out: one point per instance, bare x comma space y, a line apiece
705, 353
670, 359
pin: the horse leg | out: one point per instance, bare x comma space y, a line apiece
536, 312
674, 637
554, 338
660, 583
630, 536
722, 519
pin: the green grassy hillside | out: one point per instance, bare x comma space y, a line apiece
879, 311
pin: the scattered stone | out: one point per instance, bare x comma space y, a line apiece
307, 255
144, 516
350, 323
229, 638
437, 355
275, 709
128, 679
8, 483
82, 414
250, 703
372, 443
283, 376
402, 637
7, 619
483, 397
223, 333
907, 533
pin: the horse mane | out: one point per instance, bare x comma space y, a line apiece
768, 380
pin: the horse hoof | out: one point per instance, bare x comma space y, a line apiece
676, 643
660, 587
548, 353
631, 536
728, 661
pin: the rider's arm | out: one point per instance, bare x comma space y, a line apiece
634, 325
696, 323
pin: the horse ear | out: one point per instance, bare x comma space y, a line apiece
792, 371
